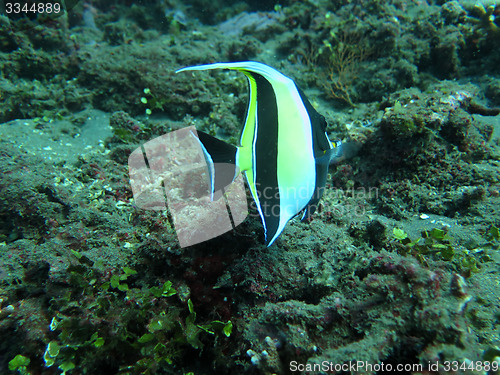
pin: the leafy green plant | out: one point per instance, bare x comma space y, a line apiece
493, 237
116, 279
399, 234
436, 244
143, 327
20, 364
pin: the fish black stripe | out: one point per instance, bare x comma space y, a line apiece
320, 144
266, 155
318, 127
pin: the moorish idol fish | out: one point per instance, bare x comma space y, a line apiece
284, 150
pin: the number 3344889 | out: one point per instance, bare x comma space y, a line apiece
42, 7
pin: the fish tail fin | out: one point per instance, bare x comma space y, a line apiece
221, 160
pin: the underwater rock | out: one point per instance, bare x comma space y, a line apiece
262, 24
